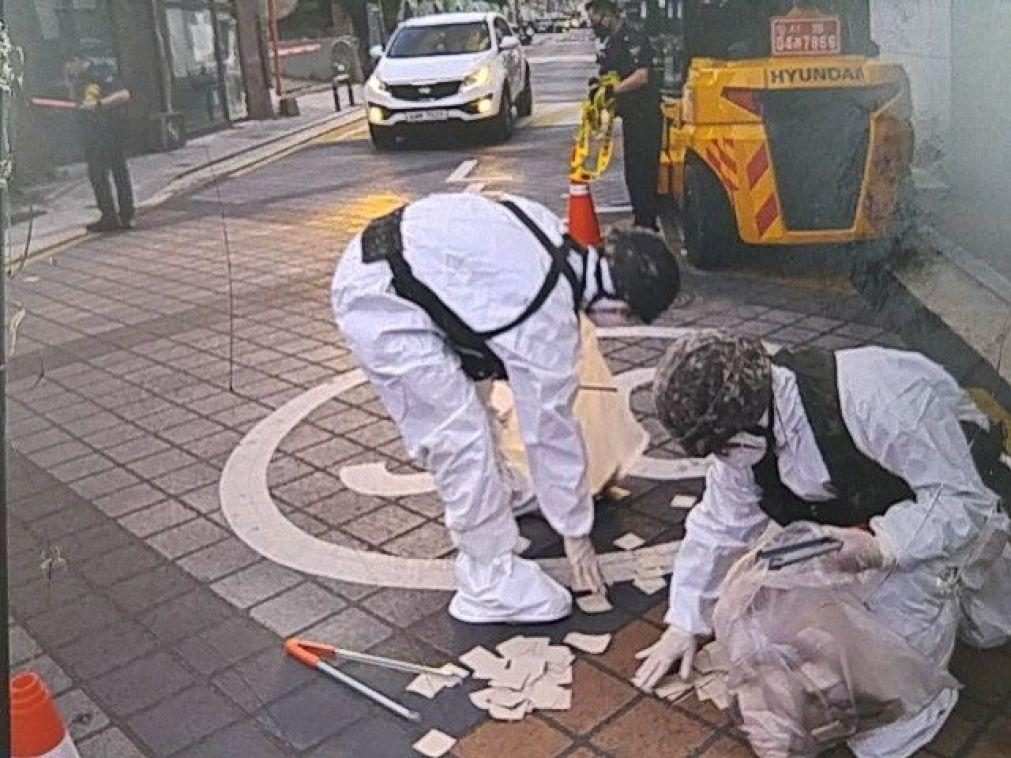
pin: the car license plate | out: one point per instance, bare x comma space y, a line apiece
806, 36
438, 114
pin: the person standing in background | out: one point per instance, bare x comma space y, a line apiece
102, 104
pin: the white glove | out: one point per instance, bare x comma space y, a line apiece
582, 557
674, 644
861, 550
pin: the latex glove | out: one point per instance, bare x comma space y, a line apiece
861, 550
675, 644
582, 557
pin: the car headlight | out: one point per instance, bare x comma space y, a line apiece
478, 77
377, 85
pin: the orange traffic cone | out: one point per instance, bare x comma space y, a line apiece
583, 224
36, 728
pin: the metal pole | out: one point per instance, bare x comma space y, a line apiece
272, 20
5, 100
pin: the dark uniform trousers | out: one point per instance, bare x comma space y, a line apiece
642, 132
105, 158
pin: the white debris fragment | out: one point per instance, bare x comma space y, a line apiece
594, 603
629, 541
673, 688
484, 664
434, 744
649, 586
683, 501
614, 492
530, 675
594, 644
522, 543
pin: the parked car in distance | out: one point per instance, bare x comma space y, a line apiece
450, 68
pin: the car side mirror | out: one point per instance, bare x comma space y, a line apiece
509, 43
376, 52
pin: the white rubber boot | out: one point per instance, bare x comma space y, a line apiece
509, 590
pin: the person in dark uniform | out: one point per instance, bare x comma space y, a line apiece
102, 102
629, 53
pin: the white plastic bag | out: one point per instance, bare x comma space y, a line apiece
810, 666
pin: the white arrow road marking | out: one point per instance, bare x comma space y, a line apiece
461, 172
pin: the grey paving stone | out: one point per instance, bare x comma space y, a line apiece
296, 609
343, 506
186, 538
405, 607
193, 430
101, 539
355, 629
105, 483
183, 719
369, 738
303, 436
136, 449
152, 588
71, 620
263, 678
430, 506
383, 524
111, 743
245, 739
58, 454
312, 714
140, 684
331, 452
225, 644
128, 500
204, 499
430, 540
44, 439
116, 645
835, 342
216, 444
22, 646
185, 616
76, 518
256, 583
308, 489
157, 518
34, 593
161, 463
189, 478
113, 436
80, 714
116, 565
55, 678
219, 560
349, 590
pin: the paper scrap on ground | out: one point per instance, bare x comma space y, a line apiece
649, 586
683, 501
529, 676
595, 644
434, 744
629, 541
614, 492
484, 664
430, 685
594, 603
522, 543
673, 688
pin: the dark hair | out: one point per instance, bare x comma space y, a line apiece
609, 6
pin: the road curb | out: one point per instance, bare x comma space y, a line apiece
206, 173
948, 305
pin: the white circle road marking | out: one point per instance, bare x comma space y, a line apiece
256, 520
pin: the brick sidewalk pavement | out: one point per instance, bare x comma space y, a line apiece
162, 633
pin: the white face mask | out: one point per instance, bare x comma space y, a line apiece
744, 449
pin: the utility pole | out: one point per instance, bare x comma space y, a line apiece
272, 22
6, 84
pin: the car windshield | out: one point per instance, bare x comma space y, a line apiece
447, 39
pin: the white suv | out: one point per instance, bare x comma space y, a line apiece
449, 67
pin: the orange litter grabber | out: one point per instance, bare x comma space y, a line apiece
310, 653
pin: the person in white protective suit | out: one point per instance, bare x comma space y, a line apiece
447, 293
881, 448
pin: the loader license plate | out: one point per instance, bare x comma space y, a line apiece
806, 36
438, 114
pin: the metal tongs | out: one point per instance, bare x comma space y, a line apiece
787, 555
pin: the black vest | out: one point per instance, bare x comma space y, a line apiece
863, 488
382, 241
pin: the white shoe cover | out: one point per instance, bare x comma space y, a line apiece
509, 590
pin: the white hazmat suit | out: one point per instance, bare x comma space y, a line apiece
949, 544
480, 260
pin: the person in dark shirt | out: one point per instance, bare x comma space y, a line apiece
102, 102
628, 52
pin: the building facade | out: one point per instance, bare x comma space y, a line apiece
193, 65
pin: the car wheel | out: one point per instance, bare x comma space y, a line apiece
710, 229
501, 128
525, 102
382, 137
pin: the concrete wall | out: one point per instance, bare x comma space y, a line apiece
314, 59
